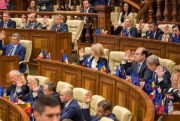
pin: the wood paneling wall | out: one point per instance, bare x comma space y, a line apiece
54, 42
116, 90
167, 50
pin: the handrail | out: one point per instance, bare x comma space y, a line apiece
54, 13
144, 9
23, 115
72, 69
132, 4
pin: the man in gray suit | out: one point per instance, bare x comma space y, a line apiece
32, 22
59, 25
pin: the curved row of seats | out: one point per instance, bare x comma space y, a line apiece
115, 58
121, 113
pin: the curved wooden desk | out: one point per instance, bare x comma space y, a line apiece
11, 112
116, 90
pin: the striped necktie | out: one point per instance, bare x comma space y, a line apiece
11, 51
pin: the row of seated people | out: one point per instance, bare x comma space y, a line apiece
76, 104
140, 62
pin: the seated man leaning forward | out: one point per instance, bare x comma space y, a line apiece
59, 25
103, 110
71, 108
47, 108
14, 48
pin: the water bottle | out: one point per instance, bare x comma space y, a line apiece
170, 106
4, 93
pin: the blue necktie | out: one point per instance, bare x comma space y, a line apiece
10, 53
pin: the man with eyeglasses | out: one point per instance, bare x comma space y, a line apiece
47, 108
139, 67
7, 22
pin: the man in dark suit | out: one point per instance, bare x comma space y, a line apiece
127, 30
70, 4
35, 90
87, 9
32, 22
98, 2
71, 108
103, 110
139, 67
153, 33
7, 22
47, 108
161, 75
14, 48
46, 5
59, 25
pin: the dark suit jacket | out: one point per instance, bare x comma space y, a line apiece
48, 3
133, 31
72, 111
36, 25
98, 2
11, 87
29, 96
20, 51
88, 117
165, 84
176, 96
10, 24
63, 27
144, 72
158, 36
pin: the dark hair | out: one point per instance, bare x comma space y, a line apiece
153, 22
51, 86
35, 4
105, 105
176, 26
7, 13
145, 52
45, 100
123, 14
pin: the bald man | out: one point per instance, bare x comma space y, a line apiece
35, 89
71, 108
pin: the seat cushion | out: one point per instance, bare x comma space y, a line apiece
18, 22
115, 59
122, 114
61, 85
28, 45
106, 119
144, 29
50, 22
162, 26
169, 64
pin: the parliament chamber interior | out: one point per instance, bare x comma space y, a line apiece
89, 60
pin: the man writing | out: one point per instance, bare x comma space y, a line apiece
14, 48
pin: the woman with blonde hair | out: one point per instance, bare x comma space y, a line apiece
96, 60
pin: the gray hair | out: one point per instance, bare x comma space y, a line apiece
16, 35
153, 59
14, 72
58, 15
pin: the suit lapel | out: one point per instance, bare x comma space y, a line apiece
17, 49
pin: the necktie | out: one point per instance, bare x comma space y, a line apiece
31, 25
5, 25
138, 69
11, 51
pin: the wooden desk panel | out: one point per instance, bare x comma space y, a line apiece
114, 89
162, 49
55, 43
11, 112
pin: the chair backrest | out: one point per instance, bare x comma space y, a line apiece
122, 114
106, 119
28, 45
162, 26
115, 59
87, 50
42, 79
79, 95
93, 104
114, 16
144, 29
61, 85
18, 22
169, 64
50, 22
75, 27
